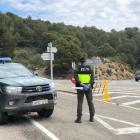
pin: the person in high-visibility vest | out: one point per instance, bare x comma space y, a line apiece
84, 77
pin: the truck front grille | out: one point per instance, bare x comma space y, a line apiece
39, 97
29, 89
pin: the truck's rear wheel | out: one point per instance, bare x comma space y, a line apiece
3, 117
45, 112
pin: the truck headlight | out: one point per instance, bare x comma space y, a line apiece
10, 89
52, 85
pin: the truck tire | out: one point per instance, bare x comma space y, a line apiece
136, 80
45, 112
3, 117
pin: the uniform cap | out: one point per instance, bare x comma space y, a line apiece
83, 59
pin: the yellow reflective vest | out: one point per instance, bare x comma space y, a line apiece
84, 73
84, 78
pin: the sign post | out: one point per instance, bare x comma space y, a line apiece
51, 62
95, 61
50, 56
93, 65
94, 70
98, 68
47, 56
73, 65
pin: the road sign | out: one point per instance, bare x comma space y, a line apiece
54, 49
93, 57
73, 65
73, 80
47, 56
50, 56
93, 61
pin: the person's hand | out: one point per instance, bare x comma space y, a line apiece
81, 84
86, 87
89, 85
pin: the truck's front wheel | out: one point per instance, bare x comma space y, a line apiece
3, 117
45, 112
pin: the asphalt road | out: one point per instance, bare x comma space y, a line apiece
114, 120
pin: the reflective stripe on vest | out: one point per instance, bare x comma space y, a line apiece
84, 78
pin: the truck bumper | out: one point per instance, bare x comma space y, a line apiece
24, 102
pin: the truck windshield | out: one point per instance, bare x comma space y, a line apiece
137, 73
13, 70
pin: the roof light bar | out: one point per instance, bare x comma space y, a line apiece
5, 59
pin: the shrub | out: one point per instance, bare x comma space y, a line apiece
103, 72
22, 54
122, 69
109, 72
116, 74
111, 66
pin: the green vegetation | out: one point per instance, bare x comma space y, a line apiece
109, 72
111, 66
26, 39
116, 74
105, 50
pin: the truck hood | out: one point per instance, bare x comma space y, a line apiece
25, 81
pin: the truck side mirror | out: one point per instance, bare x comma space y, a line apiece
35, 73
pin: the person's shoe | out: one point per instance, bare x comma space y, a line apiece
78, 120
91, 119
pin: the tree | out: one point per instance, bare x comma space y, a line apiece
67, 53
26, 36
90, 50
128, 59
39, 28
38, 33
8, 40
105, 50
72, 39
81, 37
47, 38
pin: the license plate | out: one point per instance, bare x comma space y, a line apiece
40, 102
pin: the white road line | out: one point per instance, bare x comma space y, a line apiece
130, 103
57, 84
48, 133
97, 94
117, 88
105, 125
106, 102
116, 92
69, 94
128, 130
134, 96
113, 119
119, 105
119, 97
120, 92
118, 131
131, 107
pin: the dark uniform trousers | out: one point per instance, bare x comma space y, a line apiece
80, 97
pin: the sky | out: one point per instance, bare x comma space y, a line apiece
103, 14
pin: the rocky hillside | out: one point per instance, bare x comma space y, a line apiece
107, 70
114, 71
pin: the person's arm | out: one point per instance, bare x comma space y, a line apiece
92, 78
76, 77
